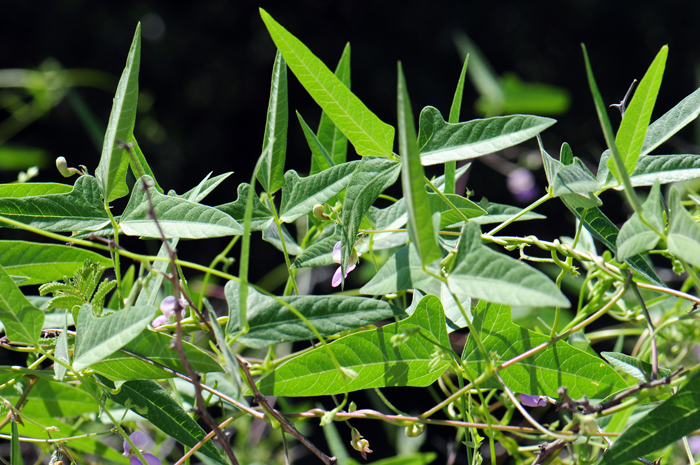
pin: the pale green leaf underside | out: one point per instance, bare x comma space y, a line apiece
99, 337
402, 271
671, 122
441, 142
271, 172
634, 367
542, 373
262, 216
364, 129
371, 355
636, 237
37, 263
177, 217
498, 213
662, 168
683, 232
271, 322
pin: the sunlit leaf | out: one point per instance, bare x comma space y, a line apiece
22, 321
635, 236
683, 231
271, 172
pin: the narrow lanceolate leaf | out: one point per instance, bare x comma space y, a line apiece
676, 417
15, 452
30, 263
671, 122
543, 373
99, 337
364, 129
111, 172
300, 195
81, 209
635, 236
271, 172
62, 352
652, 168
319, 154
683, 231
271, 322
633, 129
634, 367
420, 228
138, 163
494, 277
371, 178
205, 188
451, 166
403, 270
22, 321
378, 362
148, 399
156, 347
262, 216
440, 142
177, 217
331, 138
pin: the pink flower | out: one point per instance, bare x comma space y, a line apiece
140, 440
167, 306
337, 259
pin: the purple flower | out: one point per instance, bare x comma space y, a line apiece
167, 306
532, 401
521, 183
337, 259
140, 440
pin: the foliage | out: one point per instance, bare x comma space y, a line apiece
439, 303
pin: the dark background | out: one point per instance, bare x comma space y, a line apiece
205, 70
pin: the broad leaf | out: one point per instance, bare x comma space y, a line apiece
262, 216
30, 263
671, 122
272, 235
633, 129
542, 373
368, 134
111, 172
271, 172
420, 229
300, 195
494, 277
272, 323
676, 417
33, 189
371, 178
320, 253
177, 217
331, 138
22, 321
370, 354
577, 184
683, 231
634, 367
148, 399
403, 271
48, 399
635, 237
99, 337
81, 209
440, 142
453, 315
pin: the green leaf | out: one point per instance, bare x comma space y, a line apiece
633, 129
22, 321
636, 237
330, 137
671, 122
683, 231
99, 337
37, 263
453, 315
138, 163
177, 217
448, 215
651, 168
233, 375
262, 216
204, 189
156, 347
368, 134
273, 323
676, 417
300, 195
634, 367
271, 170
494, 277
111, 172
320, 253
577, 184
81, 209
451, 166
155, 404
319, 154
33, 189
542, 373
441, 142
420, 230
48, 399
62, 352
498, 213
15, 452
272, 235
402, 271
371, 354
371, 177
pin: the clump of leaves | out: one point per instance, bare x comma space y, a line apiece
82, 288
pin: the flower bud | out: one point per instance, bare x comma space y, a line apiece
318, 211
415, 430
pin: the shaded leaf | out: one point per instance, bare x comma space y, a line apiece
498, 213
371, 354
138, 163
636, 237
262, 216
634, 367
272, 235
402, 271
271, 172
48, 399
320, 253
22, 321
447, 215
542, 373
652, 168
319, 154
683, 231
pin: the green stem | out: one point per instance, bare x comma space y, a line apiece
522, 212
114, 253
292, 271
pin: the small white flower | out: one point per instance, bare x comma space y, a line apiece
337, 259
